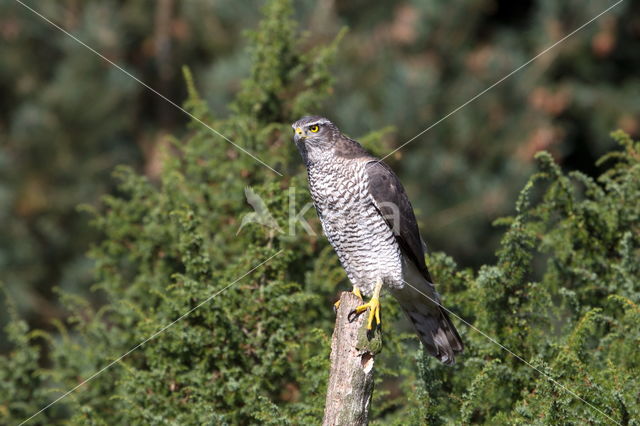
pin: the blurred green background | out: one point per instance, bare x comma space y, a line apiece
67, 117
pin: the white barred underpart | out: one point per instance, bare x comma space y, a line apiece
363, 241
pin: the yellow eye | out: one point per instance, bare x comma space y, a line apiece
314, 128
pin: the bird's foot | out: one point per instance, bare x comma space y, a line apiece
374, 312
373, 305
355, 291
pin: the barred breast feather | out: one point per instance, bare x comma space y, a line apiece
368, 219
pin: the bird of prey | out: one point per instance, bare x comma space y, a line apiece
368, 219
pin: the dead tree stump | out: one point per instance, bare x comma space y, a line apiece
353, 349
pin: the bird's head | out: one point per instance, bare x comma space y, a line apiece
315, 130
318, 138
315, 137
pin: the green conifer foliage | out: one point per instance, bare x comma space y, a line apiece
577, 322
254, 349
169, 247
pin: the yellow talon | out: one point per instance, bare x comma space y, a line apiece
374, 311
373, 305
355, 291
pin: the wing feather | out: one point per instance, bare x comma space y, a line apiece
389, 195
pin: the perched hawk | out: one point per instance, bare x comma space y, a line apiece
369, 221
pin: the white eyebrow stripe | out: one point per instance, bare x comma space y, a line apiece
301, 123
314, 123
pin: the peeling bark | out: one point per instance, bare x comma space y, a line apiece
353, 351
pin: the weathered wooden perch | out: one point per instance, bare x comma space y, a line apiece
353, 349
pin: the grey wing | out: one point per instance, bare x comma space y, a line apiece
432, 323
391, 201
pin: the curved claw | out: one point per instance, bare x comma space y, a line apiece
352, 316
374, 312
373, 305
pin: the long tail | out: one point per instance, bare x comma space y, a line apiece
432, 323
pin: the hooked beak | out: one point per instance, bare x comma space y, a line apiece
299, 134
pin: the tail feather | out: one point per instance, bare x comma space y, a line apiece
432, 323
438, 335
